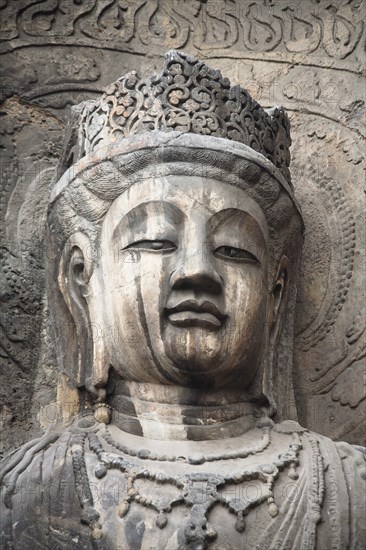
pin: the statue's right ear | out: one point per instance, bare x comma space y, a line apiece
75, 270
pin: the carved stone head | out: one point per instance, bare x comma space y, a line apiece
176, 237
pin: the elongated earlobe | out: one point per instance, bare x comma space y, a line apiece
279, 296
76, 269
278, 292
275, 318
74, 274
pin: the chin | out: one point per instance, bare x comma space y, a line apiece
205, 372
194, 347
197, 364
198, 367
196, 373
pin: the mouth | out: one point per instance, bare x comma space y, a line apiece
193, 314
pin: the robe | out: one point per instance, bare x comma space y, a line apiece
53, 496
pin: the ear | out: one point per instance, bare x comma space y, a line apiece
76, 267
279, 297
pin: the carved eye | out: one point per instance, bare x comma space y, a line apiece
155, 246
233, 253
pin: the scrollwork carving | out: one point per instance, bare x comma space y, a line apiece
304, 34
217, 27
350, 385
111, 20
262, 29
341, 34
162, 22
330, 30
324, 175
187, 96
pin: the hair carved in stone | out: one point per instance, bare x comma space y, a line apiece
174, 239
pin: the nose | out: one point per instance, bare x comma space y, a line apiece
196, 271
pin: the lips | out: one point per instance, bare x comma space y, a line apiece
191, 313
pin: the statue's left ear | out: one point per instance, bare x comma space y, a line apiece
279, 297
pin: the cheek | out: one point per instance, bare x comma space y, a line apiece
125, 299
136, 295
246, 299
247, 327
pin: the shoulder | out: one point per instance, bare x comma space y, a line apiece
336, 474
348, 461
37, 485
353, 460
352, 457
345, 489
354, 454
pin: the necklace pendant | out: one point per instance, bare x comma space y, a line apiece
161, 520
240, 523
123, 508
196, 532
273, 510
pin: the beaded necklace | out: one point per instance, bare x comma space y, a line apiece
199, 491
197, 459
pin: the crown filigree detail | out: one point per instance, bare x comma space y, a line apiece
187, 96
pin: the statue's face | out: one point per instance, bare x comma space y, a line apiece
180, 292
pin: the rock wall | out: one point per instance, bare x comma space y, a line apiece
307, 56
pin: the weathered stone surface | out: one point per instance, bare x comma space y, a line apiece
139, 503
306, 57
173, 249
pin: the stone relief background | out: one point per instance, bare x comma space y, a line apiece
307, 56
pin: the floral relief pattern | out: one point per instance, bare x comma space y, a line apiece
187, 96
332, 29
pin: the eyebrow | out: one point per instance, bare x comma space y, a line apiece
143, 210
257, 238
227, 214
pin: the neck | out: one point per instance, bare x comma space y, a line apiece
180, 413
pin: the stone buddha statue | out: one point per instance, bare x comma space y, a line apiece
174, 239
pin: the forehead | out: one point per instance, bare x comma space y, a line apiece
191, 195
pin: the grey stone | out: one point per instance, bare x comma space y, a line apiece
164, 400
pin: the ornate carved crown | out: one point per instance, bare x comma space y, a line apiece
187, 96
